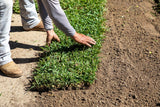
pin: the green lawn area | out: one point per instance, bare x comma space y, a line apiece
68, 64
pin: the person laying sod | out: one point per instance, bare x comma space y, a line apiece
47, 8
53, 9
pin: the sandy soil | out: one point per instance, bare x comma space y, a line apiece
129, 72
24, 49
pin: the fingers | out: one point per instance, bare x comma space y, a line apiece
49, 40
91, 41
51, 35
83, 39
55, 37
80, 38
87, 44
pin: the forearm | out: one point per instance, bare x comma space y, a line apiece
58, 16
47, 21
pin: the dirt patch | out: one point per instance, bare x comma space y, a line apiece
129, 72
24, 49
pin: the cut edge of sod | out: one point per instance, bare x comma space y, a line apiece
69, 65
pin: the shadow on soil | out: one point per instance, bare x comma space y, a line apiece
25, 60
17, 29
15, 44
1, 73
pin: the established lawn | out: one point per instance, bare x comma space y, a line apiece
68, 64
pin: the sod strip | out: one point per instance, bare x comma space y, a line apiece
68, 64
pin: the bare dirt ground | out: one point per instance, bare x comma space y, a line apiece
129, 72
24, 49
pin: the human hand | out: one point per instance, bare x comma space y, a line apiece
83, 39
51, 35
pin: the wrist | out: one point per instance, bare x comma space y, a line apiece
49, 31
75, 35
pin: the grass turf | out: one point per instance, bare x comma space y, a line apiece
69, 64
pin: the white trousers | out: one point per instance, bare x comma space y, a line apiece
5, 23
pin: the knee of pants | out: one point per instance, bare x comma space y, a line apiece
6, 4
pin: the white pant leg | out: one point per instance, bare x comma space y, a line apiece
5, 23
28, 14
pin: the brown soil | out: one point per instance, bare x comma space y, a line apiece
24, 49
129, 72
